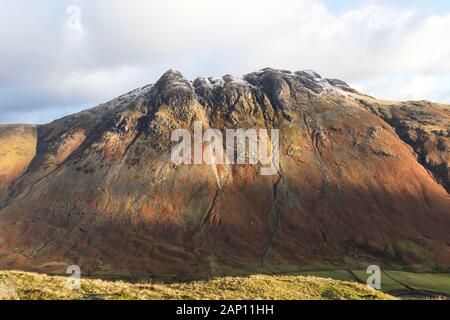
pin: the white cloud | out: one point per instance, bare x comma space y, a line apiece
385, 51
413, 87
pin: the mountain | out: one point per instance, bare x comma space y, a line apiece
361, 181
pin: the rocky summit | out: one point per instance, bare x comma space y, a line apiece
360, 181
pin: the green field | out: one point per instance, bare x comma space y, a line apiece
399, 283
388, 284
438, 283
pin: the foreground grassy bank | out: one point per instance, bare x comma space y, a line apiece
398, 283
33, 286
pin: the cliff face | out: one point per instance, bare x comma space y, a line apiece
17, 149
360, 181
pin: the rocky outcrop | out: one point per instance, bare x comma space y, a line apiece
17, 149
426, 128
360, 181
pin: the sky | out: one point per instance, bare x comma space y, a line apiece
58, 57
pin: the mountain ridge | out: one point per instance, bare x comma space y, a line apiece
348, 161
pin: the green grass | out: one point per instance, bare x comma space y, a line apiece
412, 249
33, 286
434, 282
387, 283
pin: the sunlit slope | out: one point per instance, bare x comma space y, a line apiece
35, 286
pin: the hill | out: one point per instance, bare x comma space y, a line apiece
360, 181
32, 286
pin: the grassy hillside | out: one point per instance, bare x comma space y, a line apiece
34, 286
